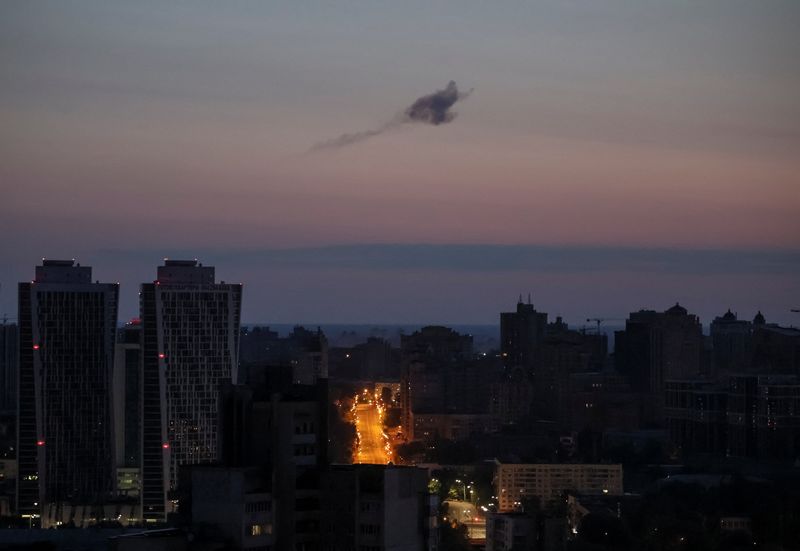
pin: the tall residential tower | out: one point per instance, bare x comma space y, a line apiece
190, 347
67, 328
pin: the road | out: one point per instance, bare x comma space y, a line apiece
467, 514
372, 444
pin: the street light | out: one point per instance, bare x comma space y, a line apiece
463, 488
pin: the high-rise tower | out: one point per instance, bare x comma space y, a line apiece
521, 334
190, 346
9, 342
65, 440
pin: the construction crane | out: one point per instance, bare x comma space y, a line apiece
598, 321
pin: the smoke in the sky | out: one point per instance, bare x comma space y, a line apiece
431, 109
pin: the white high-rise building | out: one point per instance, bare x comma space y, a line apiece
190, 346
516, 482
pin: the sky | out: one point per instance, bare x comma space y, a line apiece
613, 155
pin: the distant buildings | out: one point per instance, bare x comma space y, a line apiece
306, 351
732, 343
67, 328
437, 376
539, 360
751, 416
373, 360
656, 347
182, 417
511, 398
514, 483
521, 333
190, 347
776, 349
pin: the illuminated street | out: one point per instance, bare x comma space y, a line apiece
372, 443
466, 513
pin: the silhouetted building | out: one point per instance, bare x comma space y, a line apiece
190, 346
696, 416
438, 375
373, 360
436, 344
67, 327
521, 333
434, 427
515, 531
378, 507
732, 343
561, 353
237, 502
281, 430
599, 401
258, 345
656, 347
9, 341
778, 418
127, 401
752, 416
511, 397
776, 349
128, 394
305, 351
380, 361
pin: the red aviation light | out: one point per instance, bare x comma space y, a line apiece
36, 347
40, 442
161, 356
165, 445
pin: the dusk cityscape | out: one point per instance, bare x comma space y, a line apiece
353, 276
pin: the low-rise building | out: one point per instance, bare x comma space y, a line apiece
507, 531
516, 483
236, 502
431, 427
374, 507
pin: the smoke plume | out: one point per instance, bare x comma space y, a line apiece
431, 109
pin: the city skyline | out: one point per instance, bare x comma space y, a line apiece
655, 279
146, 131
428, 276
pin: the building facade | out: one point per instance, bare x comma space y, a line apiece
546, 482
128, 409
521, 333
8, 366
376, 507
190, 346
67, 328
656, 347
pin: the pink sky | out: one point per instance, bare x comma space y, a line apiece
146, 127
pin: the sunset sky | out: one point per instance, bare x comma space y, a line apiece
613, 155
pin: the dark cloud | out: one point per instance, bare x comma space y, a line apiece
435, 108
431, 109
